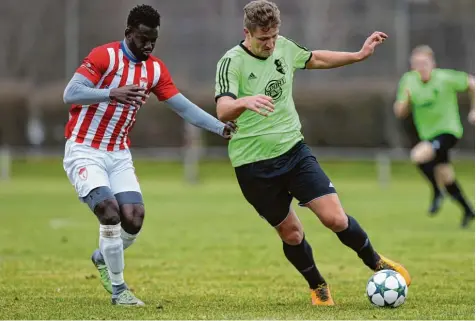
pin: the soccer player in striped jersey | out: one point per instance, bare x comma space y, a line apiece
273, 165
106, 93
430, 94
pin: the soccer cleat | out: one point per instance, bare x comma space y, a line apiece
100, 265
467, 218
126, 297
436, 204
322, 296
386, 264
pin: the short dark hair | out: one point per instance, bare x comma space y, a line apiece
143, 14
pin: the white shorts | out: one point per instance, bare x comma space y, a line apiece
88, 168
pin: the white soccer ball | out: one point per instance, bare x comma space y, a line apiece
387, 288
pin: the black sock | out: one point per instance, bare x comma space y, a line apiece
454, 190
356, 238
428, 169
301, 257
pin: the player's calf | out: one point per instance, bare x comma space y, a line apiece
298, 251
329, 210
423, 152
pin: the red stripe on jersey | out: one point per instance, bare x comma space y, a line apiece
125, 111
106, 118
88, 118
73, 120
137, 75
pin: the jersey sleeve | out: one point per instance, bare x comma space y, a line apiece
165, 87
458, 80
95, 64
301, 55
227, 78
402, 87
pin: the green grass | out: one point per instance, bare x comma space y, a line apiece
204, 253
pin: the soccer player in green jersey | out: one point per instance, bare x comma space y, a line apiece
430, 94
272, 163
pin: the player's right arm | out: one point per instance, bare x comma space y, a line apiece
401, 107
229, 107
81, 89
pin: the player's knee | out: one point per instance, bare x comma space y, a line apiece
336, 222
107, 212
133, 217
290, 230
422, 153
293, 237
445, 174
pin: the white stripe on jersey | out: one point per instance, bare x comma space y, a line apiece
112, 61
156, 74
81, 116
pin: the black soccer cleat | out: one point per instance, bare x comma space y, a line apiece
436, 204
467, 218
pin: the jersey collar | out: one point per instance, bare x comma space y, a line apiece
128, 52
249, 52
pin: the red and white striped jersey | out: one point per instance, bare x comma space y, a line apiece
106, 125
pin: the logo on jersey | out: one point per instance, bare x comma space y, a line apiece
88, 67
281, 66
143, 82
83, 173
274, 88
251, 76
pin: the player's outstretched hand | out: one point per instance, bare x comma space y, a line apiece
471, 117
373, 41
129, 95
260, 104
229, 130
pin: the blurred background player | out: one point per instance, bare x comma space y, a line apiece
254, 83
107, 91
430, 94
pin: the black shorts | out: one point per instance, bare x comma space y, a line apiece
271, 184
442, 145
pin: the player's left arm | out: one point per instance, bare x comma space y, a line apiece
325, 59
168, 92
463, 82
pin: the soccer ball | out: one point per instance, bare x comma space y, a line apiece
387, 288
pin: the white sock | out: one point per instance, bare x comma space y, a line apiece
127, 239
111, 247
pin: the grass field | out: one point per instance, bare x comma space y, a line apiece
205, 254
